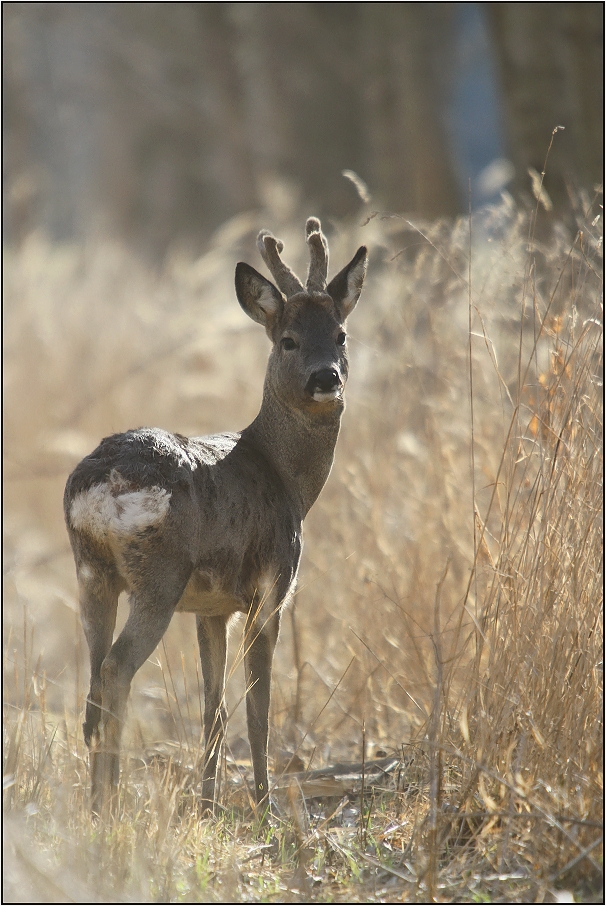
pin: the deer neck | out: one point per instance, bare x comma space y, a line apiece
299, 443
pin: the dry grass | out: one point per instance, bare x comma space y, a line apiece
450, 601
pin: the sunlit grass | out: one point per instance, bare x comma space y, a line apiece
450, 601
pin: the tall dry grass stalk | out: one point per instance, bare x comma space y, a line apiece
450, 600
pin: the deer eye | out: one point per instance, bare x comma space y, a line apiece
341, 339
288, 343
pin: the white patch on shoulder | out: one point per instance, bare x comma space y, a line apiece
101, 512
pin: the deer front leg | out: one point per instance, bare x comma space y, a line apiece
212, 639
261, 638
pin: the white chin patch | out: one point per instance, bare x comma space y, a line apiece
323, 397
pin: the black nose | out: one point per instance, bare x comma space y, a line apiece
323, 381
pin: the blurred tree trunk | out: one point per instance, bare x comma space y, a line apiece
51, 94
177, 157
406, 67
551, 63
158, 121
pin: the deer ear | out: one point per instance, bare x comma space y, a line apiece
345, 288
258, 297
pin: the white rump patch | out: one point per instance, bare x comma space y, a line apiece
101, 512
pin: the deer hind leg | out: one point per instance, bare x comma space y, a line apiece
152, 603
261, 637
99, 589
212, 639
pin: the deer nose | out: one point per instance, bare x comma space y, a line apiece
326, 380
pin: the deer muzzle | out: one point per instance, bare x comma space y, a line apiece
325, 384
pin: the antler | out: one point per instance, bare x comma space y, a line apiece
318, 250
270, 249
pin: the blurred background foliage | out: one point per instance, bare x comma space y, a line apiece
157, 122
451, 589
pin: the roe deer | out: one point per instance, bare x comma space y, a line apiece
212, 525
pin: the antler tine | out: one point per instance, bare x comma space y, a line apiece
318, 251
270, 249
